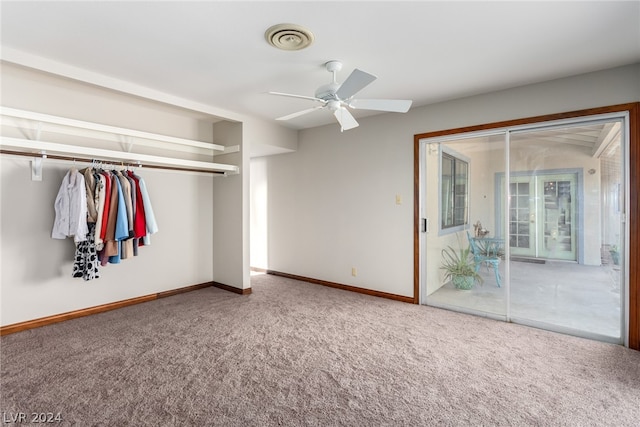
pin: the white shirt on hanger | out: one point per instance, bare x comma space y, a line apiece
71, 208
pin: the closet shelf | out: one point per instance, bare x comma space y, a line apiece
127, 137
39, 118
42, 148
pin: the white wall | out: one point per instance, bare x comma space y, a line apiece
36, 270
264, 138
28, 89
230, 230
259, 214
331, 204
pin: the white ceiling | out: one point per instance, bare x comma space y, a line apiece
214, 53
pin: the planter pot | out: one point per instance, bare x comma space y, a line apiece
463, 282
615, 256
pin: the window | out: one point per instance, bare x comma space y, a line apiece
454, 191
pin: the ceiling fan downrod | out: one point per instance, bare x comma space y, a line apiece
333, 67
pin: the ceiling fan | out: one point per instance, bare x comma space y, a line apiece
339, 98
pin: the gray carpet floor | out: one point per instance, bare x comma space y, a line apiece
298, 354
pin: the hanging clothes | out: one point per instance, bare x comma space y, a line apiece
105, 215
151, 225
139, 221
110, 243
128, 202
108, 213
100, 201
71, 208
121, 231
133, 242
86, 263
92, 190
139, 217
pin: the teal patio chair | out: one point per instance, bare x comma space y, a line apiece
486, 251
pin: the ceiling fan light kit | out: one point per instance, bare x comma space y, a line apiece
338, 98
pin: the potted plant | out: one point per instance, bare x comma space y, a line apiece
460, 268
615, 254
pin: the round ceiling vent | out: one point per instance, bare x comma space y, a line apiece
289, 37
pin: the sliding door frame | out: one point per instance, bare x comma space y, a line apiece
633, 211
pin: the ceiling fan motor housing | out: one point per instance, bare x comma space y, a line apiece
327, 92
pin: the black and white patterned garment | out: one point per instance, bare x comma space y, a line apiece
86, 261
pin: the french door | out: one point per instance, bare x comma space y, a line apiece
542, 215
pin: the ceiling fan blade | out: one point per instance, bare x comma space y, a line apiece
391, 105
356, 81
300, 113
312, 98
346, 120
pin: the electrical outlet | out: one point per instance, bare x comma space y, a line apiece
354, 271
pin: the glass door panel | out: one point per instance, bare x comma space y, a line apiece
460, 206
558, 217
521, 216
560, 277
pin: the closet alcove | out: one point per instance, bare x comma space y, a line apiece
197, 193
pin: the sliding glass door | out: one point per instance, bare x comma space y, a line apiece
540, 211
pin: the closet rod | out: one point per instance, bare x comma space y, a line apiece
128, 164
46, 118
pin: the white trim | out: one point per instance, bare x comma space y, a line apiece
507, 233
625, 223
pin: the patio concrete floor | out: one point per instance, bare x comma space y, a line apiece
563, 294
